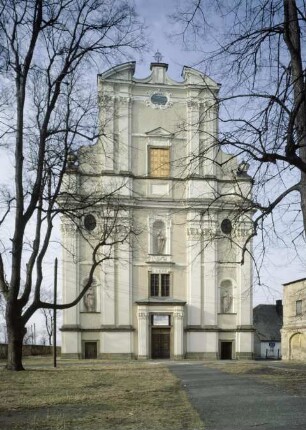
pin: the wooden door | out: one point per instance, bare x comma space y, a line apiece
160, 343
90, 350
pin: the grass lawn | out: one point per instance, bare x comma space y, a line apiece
83, 395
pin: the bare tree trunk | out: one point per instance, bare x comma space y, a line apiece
303, 198
292, 37
16, 332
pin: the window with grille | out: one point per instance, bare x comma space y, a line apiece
159, 162
159, 284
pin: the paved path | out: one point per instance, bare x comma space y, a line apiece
232, 402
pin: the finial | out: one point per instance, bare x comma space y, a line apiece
158, 57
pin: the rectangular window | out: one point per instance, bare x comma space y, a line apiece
298, 307
165, 285
154, 285
159, 284
159, 162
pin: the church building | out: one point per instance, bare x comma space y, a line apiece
175, 286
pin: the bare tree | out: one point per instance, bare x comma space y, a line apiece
47, 315
257, 50
48, 320
48, 53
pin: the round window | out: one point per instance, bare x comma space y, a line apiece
90, 222
159, 99
226, 226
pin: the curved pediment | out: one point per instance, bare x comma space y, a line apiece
195, 77
123, 71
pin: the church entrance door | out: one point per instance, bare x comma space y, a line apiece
160, 343
90, 350
226, 350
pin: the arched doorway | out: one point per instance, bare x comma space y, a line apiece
297, 345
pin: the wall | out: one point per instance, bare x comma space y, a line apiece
30, 350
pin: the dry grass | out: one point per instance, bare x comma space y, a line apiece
290, 376
94, 395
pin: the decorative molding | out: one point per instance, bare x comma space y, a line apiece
209, 232
124, 100
159, 259
161, 301
192, 103
68, 228
127, 328
220, 330
194, 233
243, 232
159, 106
143, 315
198, 328
106, 100
178, 315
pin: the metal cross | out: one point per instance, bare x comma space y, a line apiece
158, 57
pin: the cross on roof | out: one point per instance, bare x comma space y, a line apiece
158, 56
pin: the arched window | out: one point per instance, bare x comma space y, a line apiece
226, 296
159, 237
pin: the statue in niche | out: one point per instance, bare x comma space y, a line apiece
226, 301
90, 300
161, 242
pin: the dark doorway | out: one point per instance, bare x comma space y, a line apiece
90, 350
160, 343
226, 351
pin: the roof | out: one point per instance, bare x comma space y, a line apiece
267, 322
293, 282
126, 71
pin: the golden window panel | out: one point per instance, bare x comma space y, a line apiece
159, 159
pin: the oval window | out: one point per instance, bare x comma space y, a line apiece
90, 222
226, 226
159, 99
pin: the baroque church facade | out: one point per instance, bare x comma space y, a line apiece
176, 288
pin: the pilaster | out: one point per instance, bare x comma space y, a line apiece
210, 272
124, 284
143, 333
70, 271
193, 137
244, 276
108, 291
107, 118
178, 322
194, 294
208, 136
124, 126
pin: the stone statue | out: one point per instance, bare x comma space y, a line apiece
161, 241
90, 300
226, 301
